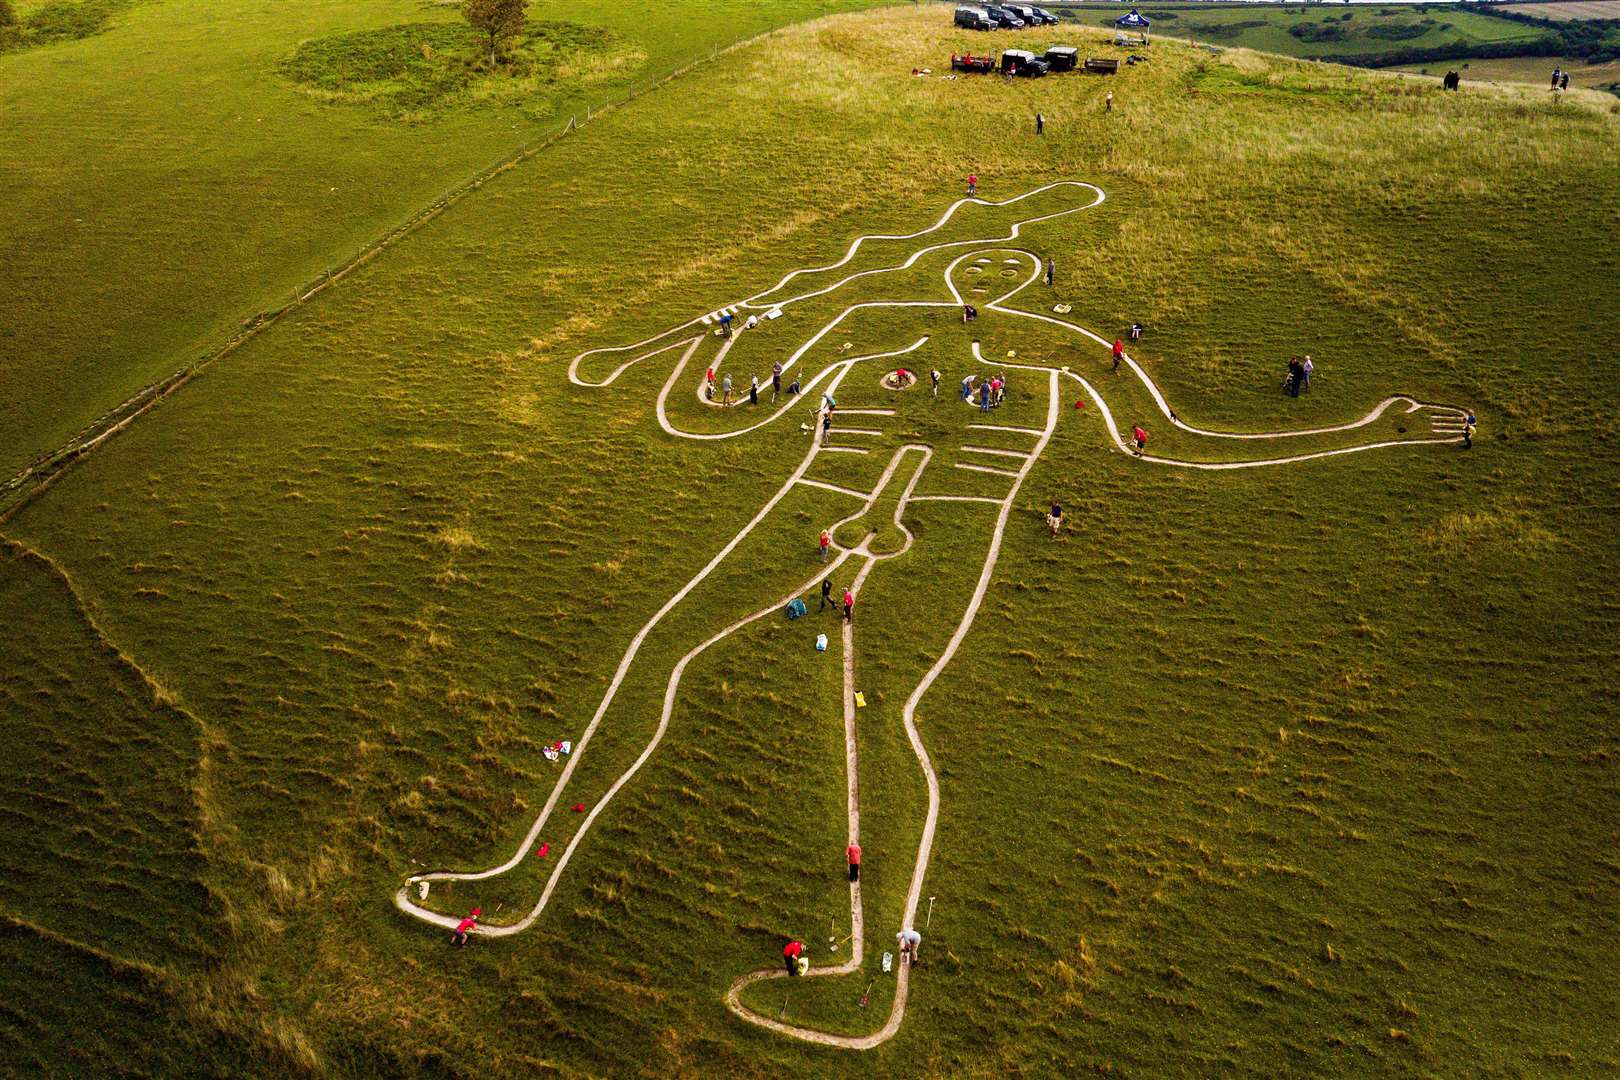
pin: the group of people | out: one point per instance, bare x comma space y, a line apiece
753, 385
1560, 79
794, 953
1299, 375
991, 392
827, 589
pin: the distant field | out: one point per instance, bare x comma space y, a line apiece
1525, 69
1580, 9
1320, 30
166, 177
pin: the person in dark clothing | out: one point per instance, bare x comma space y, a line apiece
1040, 124
1563, 81
826, 594
1296, 376
969, 313
1051, 268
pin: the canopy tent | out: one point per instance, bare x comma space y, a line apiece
1134, 21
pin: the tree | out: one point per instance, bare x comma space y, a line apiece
497, 18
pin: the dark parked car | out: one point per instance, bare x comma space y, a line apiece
1031, 16
972, 18
1023, 63
1004, 18
1051, 19
1062, 57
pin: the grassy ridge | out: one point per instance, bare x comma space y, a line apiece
1308, 766
147, 217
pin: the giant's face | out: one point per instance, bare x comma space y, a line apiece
985, 276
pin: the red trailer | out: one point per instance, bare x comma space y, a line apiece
969, 62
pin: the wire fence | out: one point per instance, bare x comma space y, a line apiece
32, 479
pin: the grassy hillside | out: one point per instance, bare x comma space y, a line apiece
190, 163
1303, 770
1316, 30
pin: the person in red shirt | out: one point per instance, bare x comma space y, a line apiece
1119, 352
973, 184
825, 541
465, 927
790, 956
853, 853
1141, 439
849, 605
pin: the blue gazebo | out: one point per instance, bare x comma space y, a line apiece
1134, 21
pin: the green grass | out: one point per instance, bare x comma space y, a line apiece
165, 180
1317, 30
1303, 771
406, 71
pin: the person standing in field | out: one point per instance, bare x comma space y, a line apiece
753, 390
1108, 101
1040, 124
1119, 353
776, 380
973, 184
826, 587
790, 956
934, 375
1051, 268
725, 390
826, 424
1468, 431
849, 606
825, 542
853, 854
709, 383
910, 941
1563, 81
1141, 439
1305, 370
1054, 520
1556, 73
984, 396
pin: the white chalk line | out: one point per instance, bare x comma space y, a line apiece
836, 371
969, 466
992, 450
834, 487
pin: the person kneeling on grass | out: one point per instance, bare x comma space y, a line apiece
464, 927
910, 941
